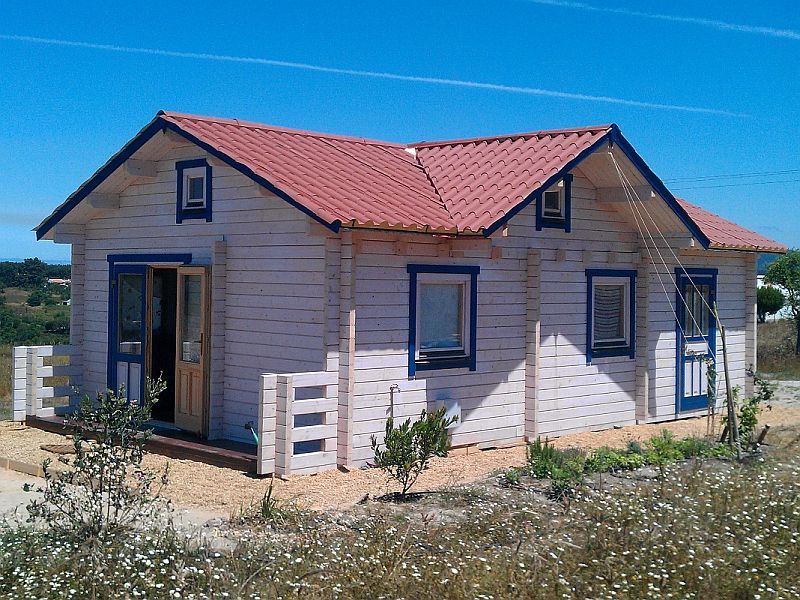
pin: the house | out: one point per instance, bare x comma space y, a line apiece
58, 281
299, 288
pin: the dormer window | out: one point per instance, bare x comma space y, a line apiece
554, 208
193, 190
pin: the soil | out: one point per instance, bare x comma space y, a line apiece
225, 491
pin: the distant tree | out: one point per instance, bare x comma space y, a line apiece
770, 301
36, 298
785, 272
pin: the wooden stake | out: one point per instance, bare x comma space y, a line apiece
732, 425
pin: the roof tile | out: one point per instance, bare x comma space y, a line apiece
456, 186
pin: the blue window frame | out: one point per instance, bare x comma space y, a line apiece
442, 317
554, 206
610, 313
193, 199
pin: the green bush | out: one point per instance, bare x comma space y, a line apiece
565, 468
605, 460
103, 489
510, 477
409, 447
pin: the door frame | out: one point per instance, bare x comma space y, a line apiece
683, 277
139, 264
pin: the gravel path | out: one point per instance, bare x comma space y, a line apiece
224, 491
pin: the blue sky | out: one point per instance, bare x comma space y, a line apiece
66, 108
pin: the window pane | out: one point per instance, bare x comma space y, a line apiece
441, 316
609, 313
552, 202
697, 313
190, 319
196, 188
129, 313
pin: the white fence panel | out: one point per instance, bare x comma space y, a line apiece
32, 367
291, 445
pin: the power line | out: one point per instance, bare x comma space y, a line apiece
731, 176
727, 185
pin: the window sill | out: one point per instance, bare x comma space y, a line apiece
450, 362
194, 213
602, 352
554, 222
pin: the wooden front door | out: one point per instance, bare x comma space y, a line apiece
191, 363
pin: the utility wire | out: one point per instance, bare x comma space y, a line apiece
731, 175
727, 185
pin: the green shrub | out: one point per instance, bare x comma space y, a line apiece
542, 458
605, 460
564, 468
103, 489
409, 447
510, 477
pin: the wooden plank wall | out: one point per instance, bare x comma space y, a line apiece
286, 299
274, 280
732, 284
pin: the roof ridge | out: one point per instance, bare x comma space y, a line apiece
524, 134
278, 128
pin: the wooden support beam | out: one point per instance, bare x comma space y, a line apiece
677, 240
617, 194
141, 168
103, 201
68, 233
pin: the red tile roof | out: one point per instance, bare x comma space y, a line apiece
481, 180
349, 180
726, 235
455, 186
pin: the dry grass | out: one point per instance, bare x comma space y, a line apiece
776, 343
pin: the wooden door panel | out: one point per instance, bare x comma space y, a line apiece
191, 364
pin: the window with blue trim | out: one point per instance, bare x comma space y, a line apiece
610, 313
554, 206
442, 324
193, 190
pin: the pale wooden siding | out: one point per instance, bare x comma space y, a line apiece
268, 284
574, 396
732, 283
287, 298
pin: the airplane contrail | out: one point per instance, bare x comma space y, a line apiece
497, 87
790, 34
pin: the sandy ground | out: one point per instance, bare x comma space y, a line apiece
224, 491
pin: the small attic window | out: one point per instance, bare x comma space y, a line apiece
554, 204
554, 208
193, 190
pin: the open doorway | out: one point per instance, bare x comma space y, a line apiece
162, 348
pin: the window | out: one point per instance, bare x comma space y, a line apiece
553, 210
194, 190
610, 313
553, 206
696, 300
442, 317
